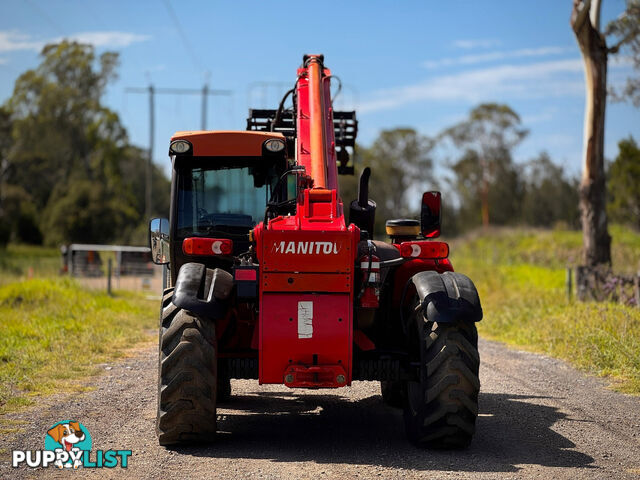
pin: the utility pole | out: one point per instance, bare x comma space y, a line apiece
205, 91
203, 119
152, 91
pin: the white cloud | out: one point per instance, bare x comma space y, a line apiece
12, 41
535, 80
108, 39
478, 43
498, 55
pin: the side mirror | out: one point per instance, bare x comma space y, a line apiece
159, 240
431, 214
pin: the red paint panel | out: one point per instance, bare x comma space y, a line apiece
304, 251
281, 345
311, 282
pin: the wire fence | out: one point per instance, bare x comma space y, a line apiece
113, 267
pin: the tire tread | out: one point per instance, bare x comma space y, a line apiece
450, 384
187, 376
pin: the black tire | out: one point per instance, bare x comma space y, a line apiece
187, 376
441, 408
393, 392
224, 385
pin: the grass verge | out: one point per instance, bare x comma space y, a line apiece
520, 276
21, 261
54, 331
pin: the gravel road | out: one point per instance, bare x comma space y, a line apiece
539, 418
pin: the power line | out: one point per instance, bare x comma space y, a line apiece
149, 166
183, 36
152, 91
205, 92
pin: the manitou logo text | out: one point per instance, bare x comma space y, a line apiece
306, 248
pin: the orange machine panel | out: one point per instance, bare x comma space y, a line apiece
226, 143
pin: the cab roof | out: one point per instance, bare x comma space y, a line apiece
226, 143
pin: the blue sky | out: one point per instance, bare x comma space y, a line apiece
423, 64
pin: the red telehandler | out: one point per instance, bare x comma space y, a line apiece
268, 280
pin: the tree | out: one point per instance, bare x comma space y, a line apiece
132, 168
85, 212
400, 165
58, 120
624, 184
585, 22
485, 174
549, 197
626, 29
467, 172
71, 153
5, 146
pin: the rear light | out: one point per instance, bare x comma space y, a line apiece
246, 274
445, 264
430, 250
207, 246
246, 279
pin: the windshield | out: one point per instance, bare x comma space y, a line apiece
224, 200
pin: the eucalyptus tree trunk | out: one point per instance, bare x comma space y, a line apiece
585, 21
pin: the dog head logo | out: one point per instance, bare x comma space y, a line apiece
70, 437
67, 434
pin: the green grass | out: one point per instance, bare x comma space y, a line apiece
521, 276
22, 261
55, 332
555, 249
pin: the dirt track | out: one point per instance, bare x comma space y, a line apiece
539, 418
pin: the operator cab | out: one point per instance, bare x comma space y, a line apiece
221, 184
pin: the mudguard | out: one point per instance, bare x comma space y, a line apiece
202, 291
447, 297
